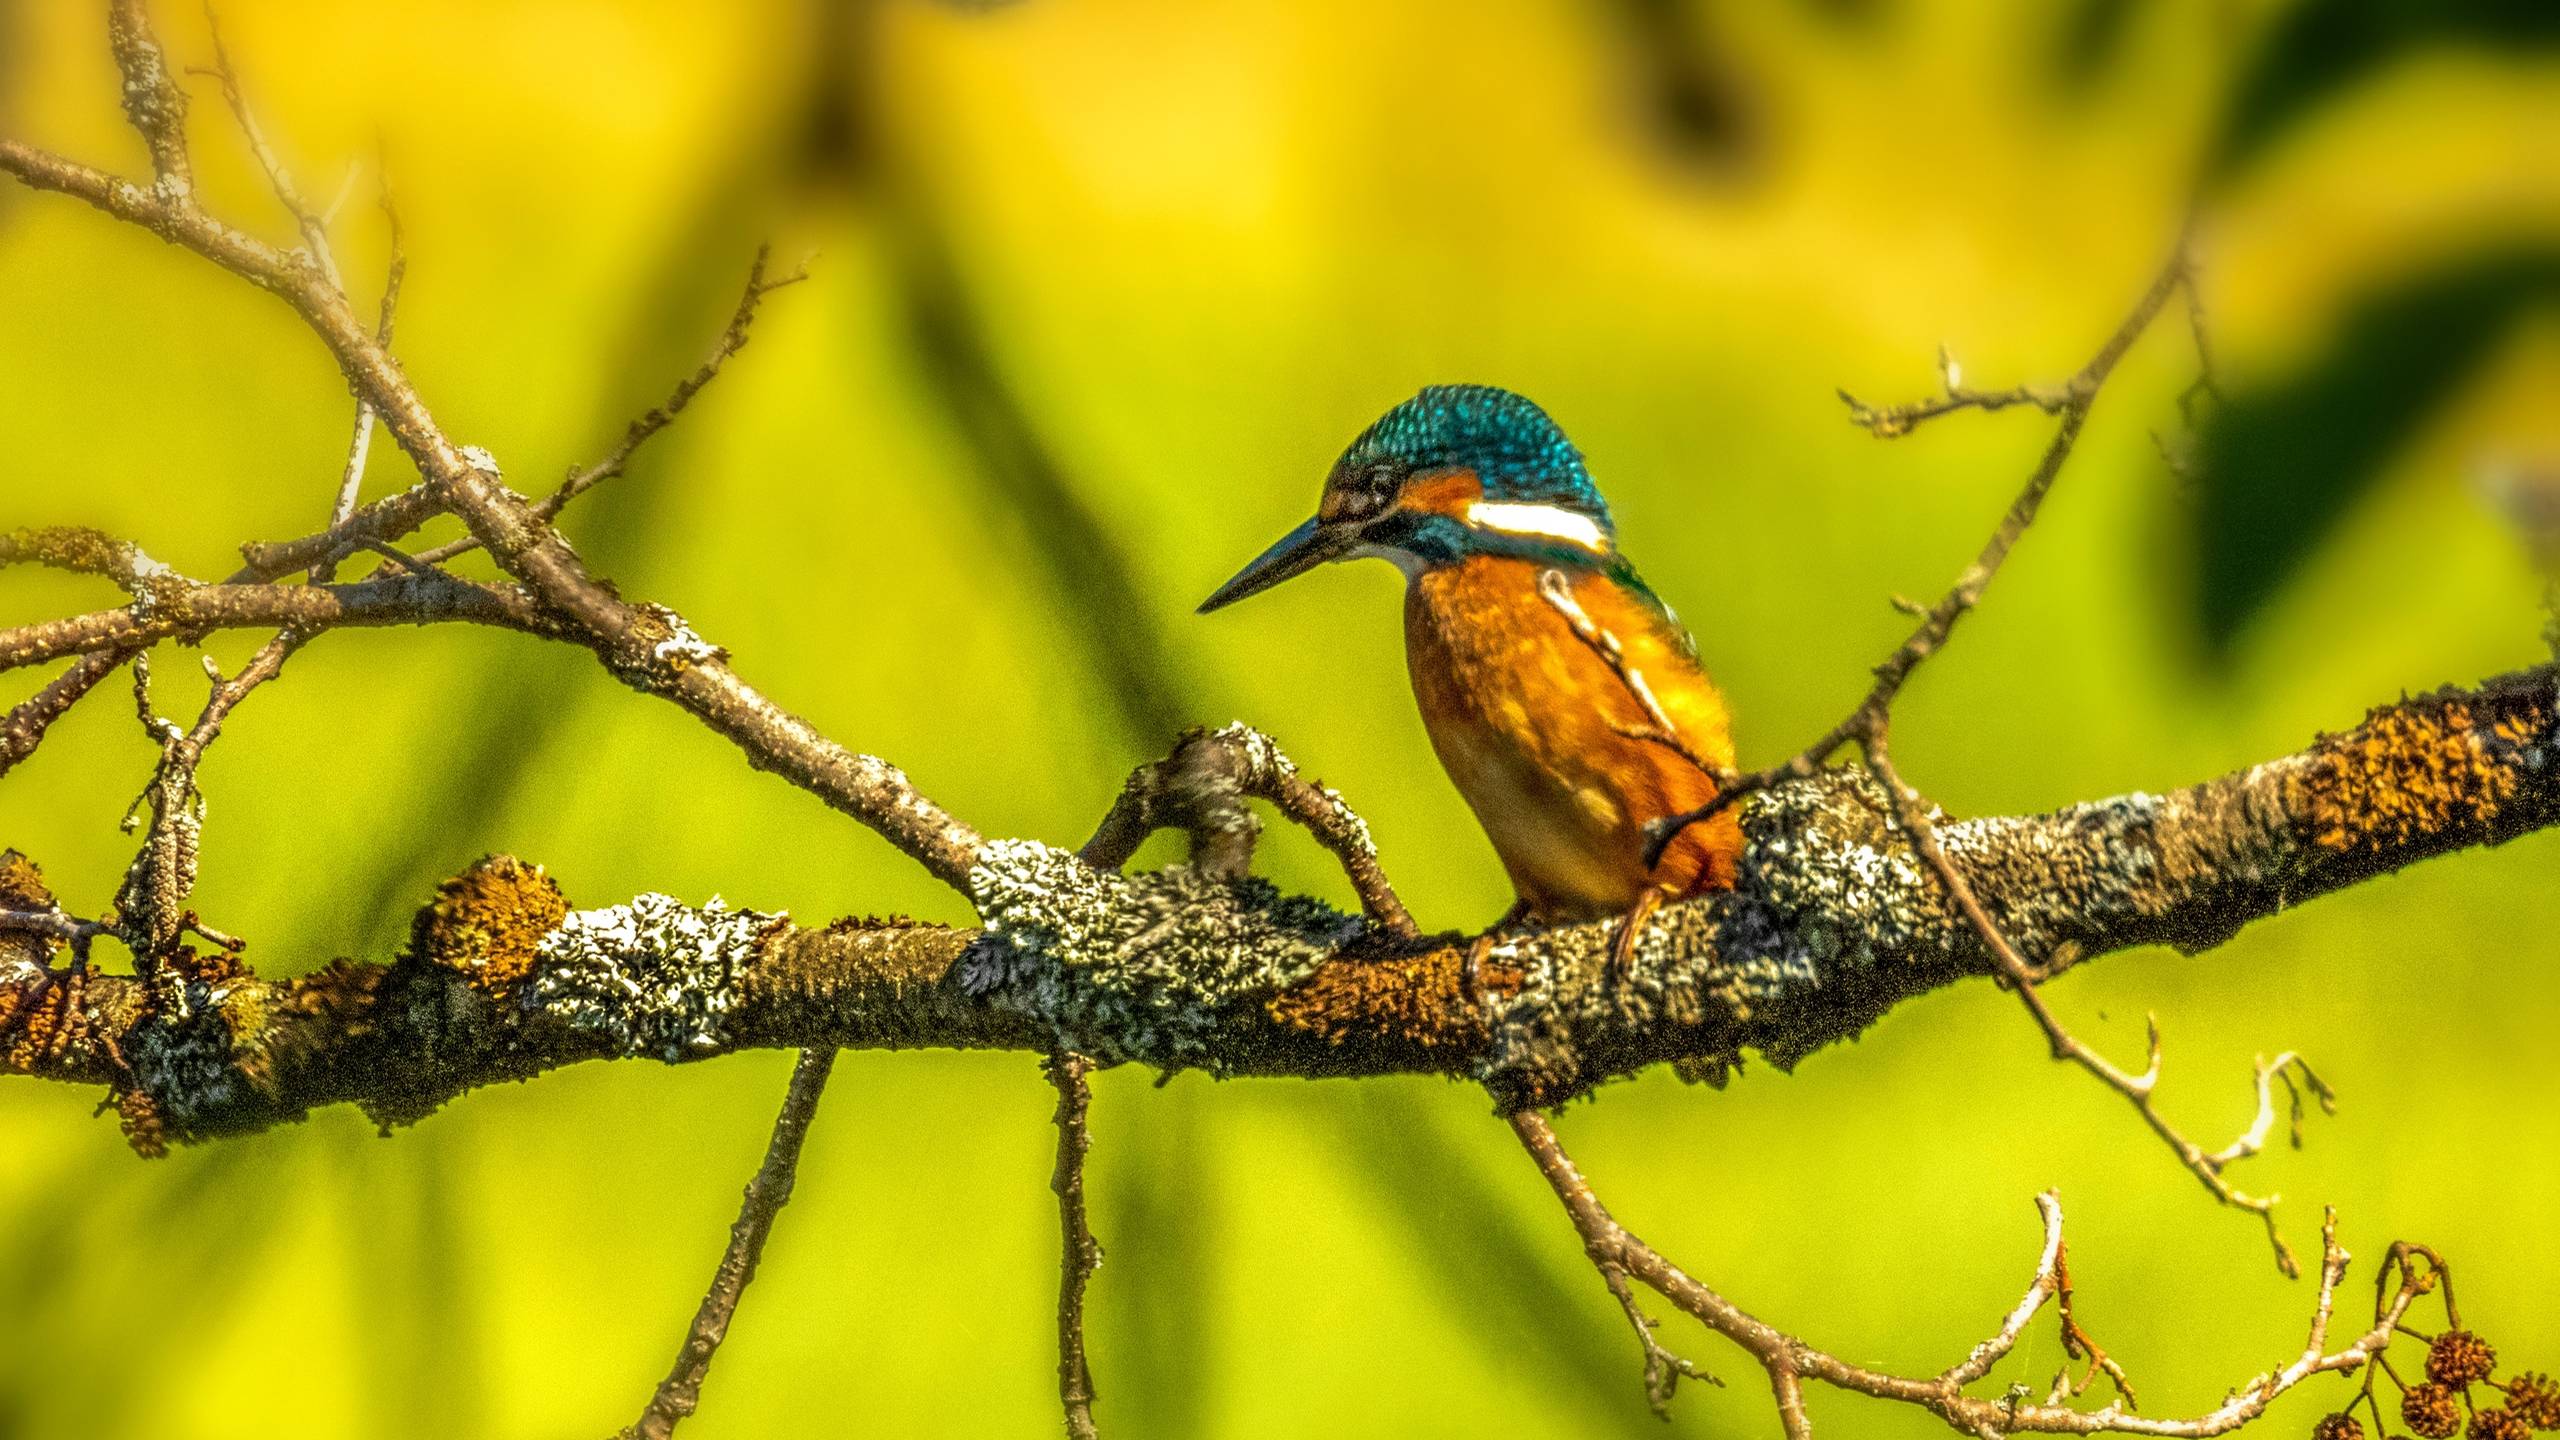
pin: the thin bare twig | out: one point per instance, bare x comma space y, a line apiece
419, 599
1664, 1369
2208, 382
767, 1192
54, 926
648, 647
1873, 712
24, 727
360, 436
1910, 813
733, 339
1867, 726
1079, 1254
309, 223
2079, 1345
1889, 421
79, 550
151, 913
313, 226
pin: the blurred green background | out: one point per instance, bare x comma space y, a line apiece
1101, 287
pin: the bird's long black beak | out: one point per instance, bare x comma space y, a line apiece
1298, 552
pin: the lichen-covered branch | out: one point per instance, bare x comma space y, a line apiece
1835, 921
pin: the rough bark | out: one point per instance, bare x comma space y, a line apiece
1835, 921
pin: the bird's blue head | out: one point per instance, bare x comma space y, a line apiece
1457, 470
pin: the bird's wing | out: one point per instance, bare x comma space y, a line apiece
1622, 572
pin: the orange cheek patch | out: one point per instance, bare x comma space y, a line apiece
1443, 492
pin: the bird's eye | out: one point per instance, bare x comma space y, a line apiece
1361, 494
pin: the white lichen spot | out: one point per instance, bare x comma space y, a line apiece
148, 579
682, 649
1136, 968
479, 458
1265, 758
653, 977
1257, 747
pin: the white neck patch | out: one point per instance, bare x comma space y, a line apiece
1405, 560
1552, 522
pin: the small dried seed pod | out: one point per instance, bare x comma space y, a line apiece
2459, 1358
2535, 1399
2430, 1410
2341, 1426
2499, 1423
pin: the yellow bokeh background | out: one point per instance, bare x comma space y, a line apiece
1201, 245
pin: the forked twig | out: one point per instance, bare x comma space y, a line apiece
1199, 788
1873, 712
1887, 422
1792, 1362
733, 339
1869, 724
1910, 814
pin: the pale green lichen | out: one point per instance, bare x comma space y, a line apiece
1148, 968
1828, 903
2078, 870
655, 977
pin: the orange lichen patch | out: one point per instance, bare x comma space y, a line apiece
210, 967
2413, 772
14, 1000
335, 1004
22, 884
488, 921
1414, 999
342, 990
22, 887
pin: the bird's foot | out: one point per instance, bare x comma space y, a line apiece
1622, 940
1471, 967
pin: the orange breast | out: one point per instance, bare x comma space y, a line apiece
1534, 727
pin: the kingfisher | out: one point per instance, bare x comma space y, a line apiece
1564, 698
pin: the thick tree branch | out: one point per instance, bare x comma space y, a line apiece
1835, 922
